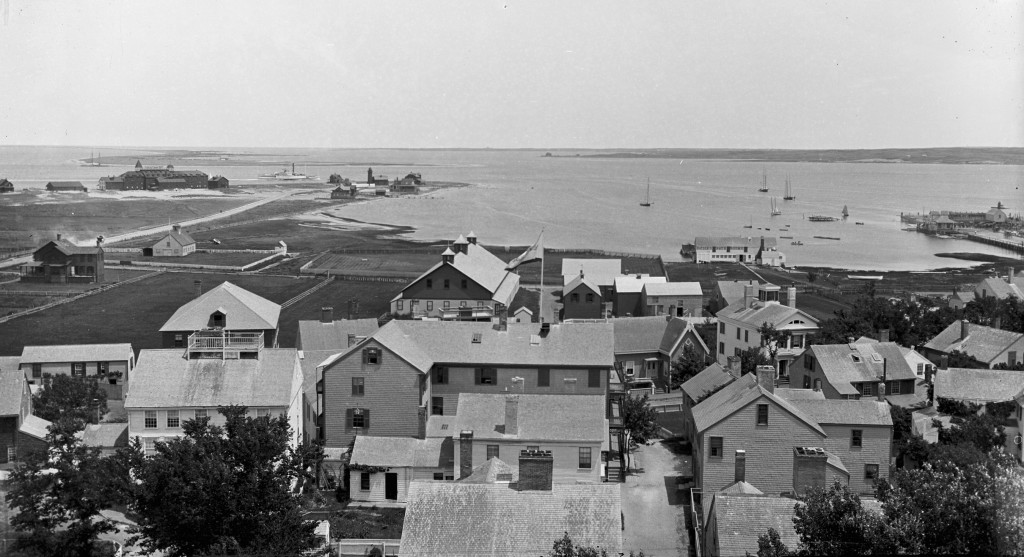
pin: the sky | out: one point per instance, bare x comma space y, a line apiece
513, 74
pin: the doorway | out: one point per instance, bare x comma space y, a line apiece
391, 486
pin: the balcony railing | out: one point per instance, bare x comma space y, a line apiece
224, 343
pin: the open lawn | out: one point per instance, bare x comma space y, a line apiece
111, 275
409, 265
303, 236
196, 258
132, 313
374, 300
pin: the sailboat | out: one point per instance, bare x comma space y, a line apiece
789, 191
775, 208
764, 182
647, 200
846, 212
92, 160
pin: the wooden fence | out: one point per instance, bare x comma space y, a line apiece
30, 311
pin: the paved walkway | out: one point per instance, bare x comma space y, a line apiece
654, 514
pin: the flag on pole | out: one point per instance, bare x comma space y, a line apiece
532, 253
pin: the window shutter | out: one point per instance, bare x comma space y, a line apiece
477, 374
348, 418
366, 419
365, 351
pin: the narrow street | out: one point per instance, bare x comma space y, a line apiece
653, 511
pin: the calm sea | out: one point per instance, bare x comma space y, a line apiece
591, 202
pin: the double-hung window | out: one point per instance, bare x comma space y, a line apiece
364, 481
492, 451
857, 438
762, 414
871, 472
172, 419
440, 376
358, 386
586, 460
150, 421
486, 376
715, 445
371, 356
201, 413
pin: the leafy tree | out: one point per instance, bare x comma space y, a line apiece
59, 494
223, 489
957, 358
753, 357
772, 339
689, 363
832, 521
770, 545
564, 547
66, 396
983, 431
638, 423
910, 323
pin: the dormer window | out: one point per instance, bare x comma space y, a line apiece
371, 356
218, 319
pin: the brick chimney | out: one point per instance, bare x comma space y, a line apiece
928, 374
741, 466
791, 297
964, 328
198, 284
1009, 275
748, 295
883, 335
997, 322
733, 365
465, 454
512, 415
58, 236
352, 339
766, 378
808, 468
535, 470
881, 391
943, 361
327, 314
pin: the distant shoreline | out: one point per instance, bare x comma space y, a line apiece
935, 155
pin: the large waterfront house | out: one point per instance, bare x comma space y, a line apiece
855, 370
6, 186
67, 186
20, 431
468, 283
582, 299
390, 382
110, 364
170, 386
161, 178
730, 249
62, 261
988, 346
739, 323
175, 244
226, 308
645, 347
787, 441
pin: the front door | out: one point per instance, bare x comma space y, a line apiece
391, 486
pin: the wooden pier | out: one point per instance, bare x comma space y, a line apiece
1014, 246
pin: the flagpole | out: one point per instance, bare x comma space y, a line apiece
542, 282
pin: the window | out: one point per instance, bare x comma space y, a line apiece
440, 376
866, 389
400, 304
437, 406
262, 412
360, 418
1011, 357
721, 328
857, 438
371, 356
590, 298
201, 413
543, 377
574, 298
430, 305
102, 368
486, 376
716, 447
871, 472
364, 481
809, 363
37, 370
78, 369
449, 478
807, 381
430, 283
465, 284
447, 284
462, 304
585, 458
894, 387
492, 452
594, 378
172, 419
447, 304
762, 414
721, 348
737, 352
737, 333
746, 336
12, 454
920, 369
439, 475
481, 304
358, 386
150, 419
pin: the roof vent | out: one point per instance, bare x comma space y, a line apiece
856, 358
876, 357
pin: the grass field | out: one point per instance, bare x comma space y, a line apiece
374, 300
132, 313
111, 275
197, 258
400, 264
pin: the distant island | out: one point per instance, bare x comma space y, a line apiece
931, 155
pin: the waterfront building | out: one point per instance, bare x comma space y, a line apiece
61, 261
218, 182
6, 186
469, 282
996, 214
228, 309
175, 244
159, 178
730, 249
65, 187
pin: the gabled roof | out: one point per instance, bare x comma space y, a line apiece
424, 343
979, 385
799, 394
12, 388
732, 290
63, 353
482, 267
488, 472
673, 289
760, 313
243, 310
601, 271
35, 426
457, 519
316, 335
399, 451
713, 377
68, 248
844, 364
540, 417
10, 362
634, 335
165, 379
999, 289
104, 435
750, 242
633, 284
982, 343
181, 237
580, 280
740, 520
741, 488
849, 412
736, 396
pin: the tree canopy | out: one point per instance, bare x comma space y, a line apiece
66, 396
689, 363
638, 422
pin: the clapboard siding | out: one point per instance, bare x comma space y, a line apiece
564, 454
876, 446
463, 380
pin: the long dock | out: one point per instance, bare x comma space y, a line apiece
1014, 246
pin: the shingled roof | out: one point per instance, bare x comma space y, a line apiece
61, 353
243, 310
12, 388
844, 364
401, 451
581, 280
660, 334
713, 377
982, 343
736, 396
998, 288
457, 519
317, 335
849, 412
482, 267
760, 313
741, 519
165, 379
539, 417
601, 272
979, 385
66, 247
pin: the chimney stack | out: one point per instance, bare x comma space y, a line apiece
741, 466
535, 470
883, 335
748, 295
943, 361
964, 328
176, 228
766, 378
99, 241
733, 365
997, 322
58, 236
465, 453
881, 391
1009, 275
512, 415
327, 314
850, 340
198, 284
352, 340
791, 297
